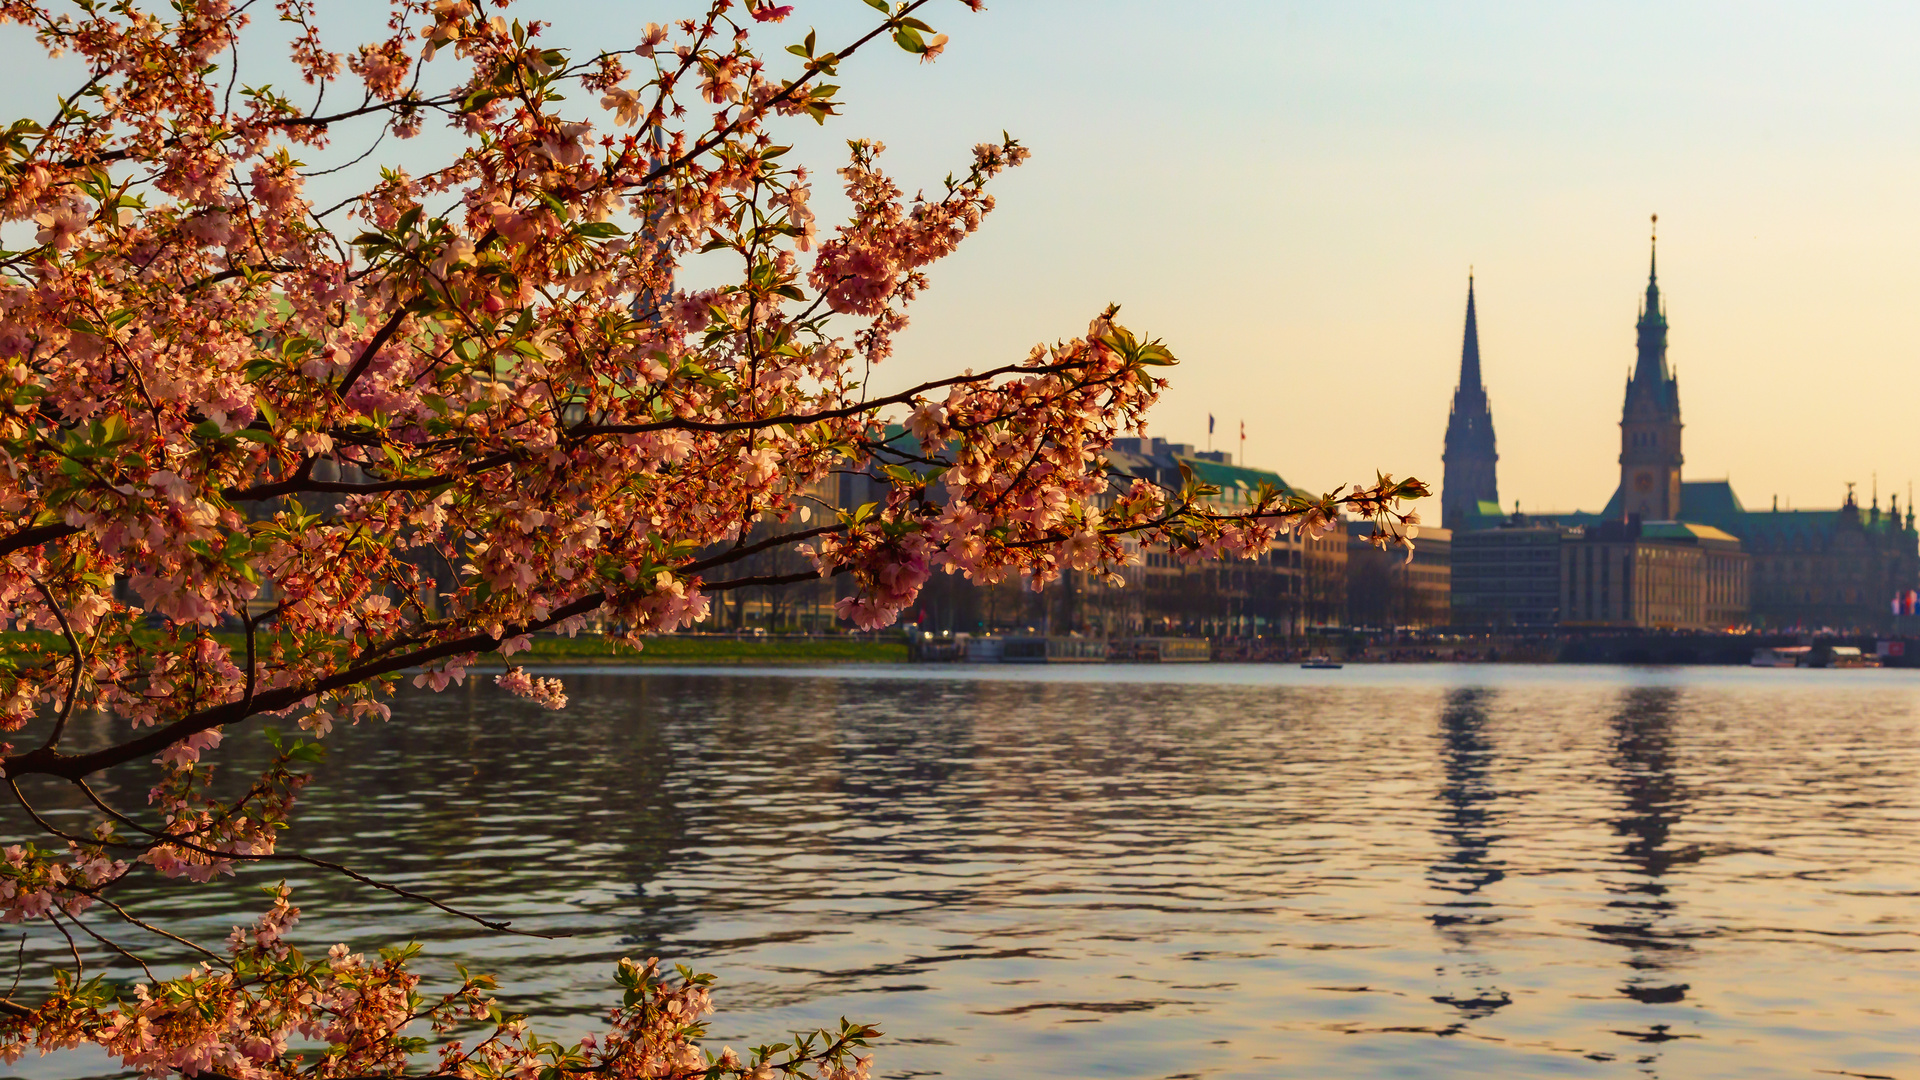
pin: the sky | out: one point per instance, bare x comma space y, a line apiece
1291, 195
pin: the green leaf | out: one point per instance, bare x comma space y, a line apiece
559, 208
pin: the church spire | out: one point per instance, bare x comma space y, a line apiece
1470, 346
1469, 482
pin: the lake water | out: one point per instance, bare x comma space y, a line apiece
1153, 872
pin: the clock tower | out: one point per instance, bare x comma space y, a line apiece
1650, 422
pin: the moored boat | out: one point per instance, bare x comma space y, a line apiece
1848, 656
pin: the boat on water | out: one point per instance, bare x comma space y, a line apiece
1320, 663
1847, 656
1838, 656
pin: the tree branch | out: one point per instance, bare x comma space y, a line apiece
39, 534
72, 766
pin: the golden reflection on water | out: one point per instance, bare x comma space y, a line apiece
1210, 871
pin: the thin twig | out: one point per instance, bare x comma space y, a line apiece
152, 929
79, 965
73, 643
111, 944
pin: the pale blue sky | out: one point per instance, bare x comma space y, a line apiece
1291, 194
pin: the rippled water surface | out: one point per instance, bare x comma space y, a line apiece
1207, 871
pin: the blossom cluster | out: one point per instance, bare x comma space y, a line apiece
237, 1016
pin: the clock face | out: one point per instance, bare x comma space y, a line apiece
1643, 482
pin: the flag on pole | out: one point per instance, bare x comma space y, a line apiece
1209, 423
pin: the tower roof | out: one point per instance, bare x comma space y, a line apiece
1652, 311
1650, 369
1470, 424
1470, 346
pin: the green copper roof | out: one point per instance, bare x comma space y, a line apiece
1229, 478
1684, 530
1700, 500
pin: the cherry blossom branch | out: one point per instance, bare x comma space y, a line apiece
46, 762
903, 397
378, 342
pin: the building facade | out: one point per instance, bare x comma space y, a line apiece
1508, 577
1662, 576
1296, 583
1817, 569
1386, 589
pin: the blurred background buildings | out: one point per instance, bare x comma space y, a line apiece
1665, 553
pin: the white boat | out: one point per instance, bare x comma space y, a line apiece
1320, 663
1848, 656
1781, 656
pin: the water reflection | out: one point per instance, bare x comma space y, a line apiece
1469, 818
1652, 804
1219, 872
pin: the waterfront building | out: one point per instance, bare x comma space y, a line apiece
1812, 569
1666, 575
1469, 485
1296, 583
1386, 589
1508, 576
